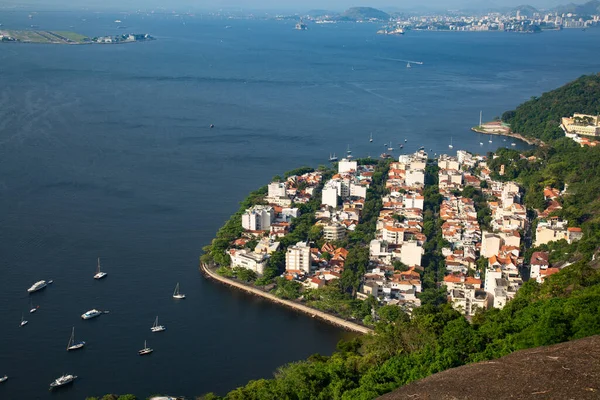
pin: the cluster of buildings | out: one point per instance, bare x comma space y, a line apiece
582, 127
483, 264
397, 249
343, 199
460, 228
500, 245
494, 21
268, 223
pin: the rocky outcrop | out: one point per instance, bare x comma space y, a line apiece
568, 370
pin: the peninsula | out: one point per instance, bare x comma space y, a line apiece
65, 37
451, 261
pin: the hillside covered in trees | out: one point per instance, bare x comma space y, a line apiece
540, 117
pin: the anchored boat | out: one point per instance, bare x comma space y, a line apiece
62, 381
176, 294
145, 350
99, 274
91, 314
73, 345
156, 327
39, 285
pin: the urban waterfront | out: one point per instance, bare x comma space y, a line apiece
108, 152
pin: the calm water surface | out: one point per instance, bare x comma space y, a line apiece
106, 151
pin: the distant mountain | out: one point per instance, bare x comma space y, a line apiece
589, 8
526, 10
364, 13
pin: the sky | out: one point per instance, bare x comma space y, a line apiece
291, 5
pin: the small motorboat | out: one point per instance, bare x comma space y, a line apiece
91, 314
4, 379
212, 126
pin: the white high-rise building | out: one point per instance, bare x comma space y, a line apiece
258, 218
330, 194
298, 257
277, 189
346, 166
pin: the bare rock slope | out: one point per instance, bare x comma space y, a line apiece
568, 370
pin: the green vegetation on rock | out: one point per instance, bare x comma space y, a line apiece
540, 117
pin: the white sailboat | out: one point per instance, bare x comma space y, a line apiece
371, 138
73, 345
4, 378
407, 65
450, 145
99, 274
145, 350
176, 294
156, 327
23, 322
32, 309
390, 148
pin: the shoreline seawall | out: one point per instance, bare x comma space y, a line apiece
337, 321
518, 136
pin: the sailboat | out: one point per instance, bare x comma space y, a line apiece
332, 157
407, 65
450, 145
145, 350
349, 151
176, 294
4, 378
490, 140
23, 322
32, 309
99, 274
73, 345
156, 327
371, 138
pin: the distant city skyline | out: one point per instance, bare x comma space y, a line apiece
284, 5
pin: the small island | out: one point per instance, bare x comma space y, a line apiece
66, 37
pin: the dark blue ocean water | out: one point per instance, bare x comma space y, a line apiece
106, 151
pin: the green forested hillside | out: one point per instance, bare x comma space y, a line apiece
365, 13
540, 116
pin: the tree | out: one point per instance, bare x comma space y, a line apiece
399, 266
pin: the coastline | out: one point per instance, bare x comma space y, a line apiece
518, 136
337, 321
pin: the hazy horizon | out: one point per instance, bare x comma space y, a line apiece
283, 5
